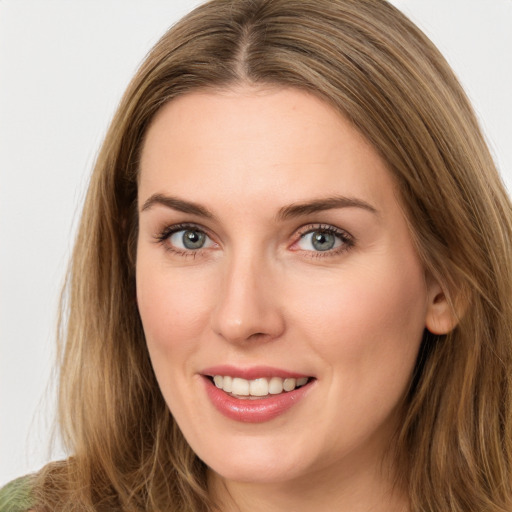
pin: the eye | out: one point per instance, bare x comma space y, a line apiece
184, 239
319, 241
190, 239
324, 239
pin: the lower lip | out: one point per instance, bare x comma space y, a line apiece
257, 410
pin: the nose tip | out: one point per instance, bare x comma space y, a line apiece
237, 329
248, 308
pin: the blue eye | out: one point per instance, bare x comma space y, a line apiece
321, 240
189, 239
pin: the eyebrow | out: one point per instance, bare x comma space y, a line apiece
319, 205
285, 213
177, 204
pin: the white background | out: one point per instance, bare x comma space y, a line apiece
63, 67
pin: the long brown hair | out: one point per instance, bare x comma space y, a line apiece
377, 69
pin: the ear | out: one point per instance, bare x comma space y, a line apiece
442, 316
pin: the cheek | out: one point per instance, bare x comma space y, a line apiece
366, 327
369, 319
173, 306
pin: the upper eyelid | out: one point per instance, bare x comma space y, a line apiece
183, 226
304, 228
307, 228
319, 227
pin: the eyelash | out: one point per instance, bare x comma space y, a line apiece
347, 240
162, 238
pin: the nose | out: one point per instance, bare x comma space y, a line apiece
249, 303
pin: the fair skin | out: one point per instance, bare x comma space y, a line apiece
230, 271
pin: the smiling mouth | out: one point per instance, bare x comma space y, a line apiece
257, 388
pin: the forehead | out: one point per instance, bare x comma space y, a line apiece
248, 143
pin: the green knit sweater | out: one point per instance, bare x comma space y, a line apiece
15, 496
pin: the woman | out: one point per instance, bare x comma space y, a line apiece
291, 284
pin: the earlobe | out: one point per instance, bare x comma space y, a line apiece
441, 316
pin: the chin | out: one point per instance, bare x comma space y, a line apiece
257, 472
253, 460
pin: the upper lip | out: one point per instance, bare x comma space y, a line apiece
250, 373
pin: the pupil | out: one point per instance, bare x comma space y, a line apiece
193, 239
323, 241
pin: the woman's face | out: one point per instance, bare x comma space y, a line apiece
273, 252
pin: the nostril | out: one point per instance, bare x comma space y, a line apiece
257, 336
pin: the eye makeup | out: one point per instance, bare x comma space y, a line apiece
312, 240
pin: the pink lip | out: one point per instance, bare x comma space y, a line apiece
257, 410
254, 372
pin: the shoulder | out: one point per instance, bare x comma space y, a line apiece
16, 495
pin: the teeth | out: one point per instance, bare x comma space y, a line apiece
289, 384
257, 387
227, 384
275, 386
240, 387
